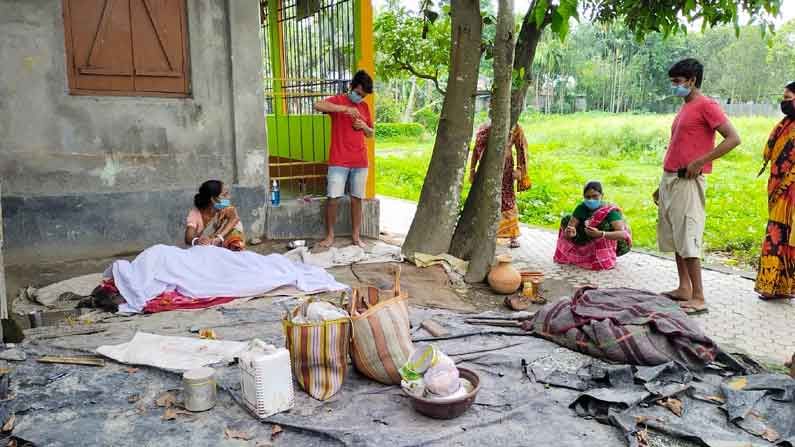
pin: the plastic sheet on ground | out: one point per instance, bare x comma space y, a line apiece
116, 406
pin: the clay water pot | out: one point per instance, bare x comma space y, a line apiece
503, 278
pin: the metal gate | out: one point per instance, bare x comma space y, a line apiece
309, 55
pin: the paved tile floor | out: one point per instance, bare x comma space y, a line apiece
736, 318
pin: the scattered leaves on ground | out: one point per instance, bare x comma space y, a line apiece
236, 434
276, 430
9, 424
770, 435
738, 383
642, 436
166, 399
673, 404
171, 413
208, 334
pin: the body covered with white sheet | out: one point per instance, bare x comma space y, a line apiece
208, 272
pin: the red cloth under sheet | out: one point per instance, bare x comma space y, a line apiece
171, 300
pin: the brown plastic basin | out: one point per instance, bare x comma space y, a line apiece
449, 409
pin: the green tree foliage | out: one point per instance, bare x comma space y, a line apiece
615, 72
412, 45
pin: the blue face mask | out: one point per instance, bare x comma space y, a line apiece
680, 90
592, 204
222, 203
355, 97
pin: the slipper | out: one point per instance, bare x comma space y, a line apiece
695, 310
774, 297
514, 244
671, 296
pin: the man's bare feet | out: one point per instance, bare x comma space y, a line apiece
358, 242
679, 295
327, 242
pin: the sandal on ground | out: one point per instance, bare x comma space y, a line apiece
765, 297
514, 244
674, 297
695, 310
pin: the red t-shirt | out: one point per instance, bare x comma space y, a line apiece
693, 133
348, 148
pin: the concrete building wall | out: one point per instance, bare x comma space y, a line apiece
98, 175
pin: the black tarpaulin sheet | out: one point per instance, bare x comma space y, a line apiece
761, 405
60, 405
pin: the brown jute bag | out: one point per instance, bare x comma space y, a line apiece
381, 331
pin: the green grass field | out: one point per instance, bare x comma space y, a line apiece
625, 153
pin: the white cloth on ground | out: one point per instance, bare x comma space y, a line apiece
81, 285
208, 272
352, 254
172, 353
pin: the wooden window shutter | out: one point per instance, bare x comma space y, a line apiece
99, 36
158, 41
128, 47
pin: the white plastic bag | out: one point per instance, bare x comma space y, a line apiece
318, 311
442, 378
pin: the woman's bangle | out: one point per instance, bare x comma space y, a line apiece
218, 236
193, 242
604, 233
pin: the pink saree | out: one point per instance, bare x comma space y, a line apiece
597, 254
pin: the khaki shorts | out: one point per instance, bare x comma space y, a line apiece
681, 215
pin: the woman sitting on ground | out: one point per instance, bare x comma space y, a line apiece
213, 220
594, 235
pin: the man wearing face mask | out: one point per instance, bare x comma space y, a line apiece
351, 123
776, 277
681, 194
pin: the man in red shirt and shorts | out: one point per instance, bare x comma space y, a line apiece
351, 122
681, 196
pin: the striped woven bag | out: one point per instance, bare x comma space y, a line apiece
381, 332
318, 352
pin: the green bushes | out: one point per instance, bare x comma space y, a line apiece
387, 110
398, 130
428, 117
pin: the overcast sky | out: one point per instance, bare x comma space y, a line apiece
787, 10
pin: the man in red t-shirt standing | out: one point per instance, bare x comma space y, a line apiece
351, 122
681, 196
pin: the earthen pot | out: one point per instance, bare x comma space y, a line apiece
503, 278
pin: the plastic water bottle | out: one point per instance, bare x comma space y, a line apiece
276, 196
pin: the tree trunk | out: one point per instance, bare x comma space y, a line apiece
475, 236
525, 52
437, 212
406, 118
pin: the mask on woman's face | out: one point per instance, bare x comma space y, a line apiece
222, 203
788, 108
355, 97
593, 204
